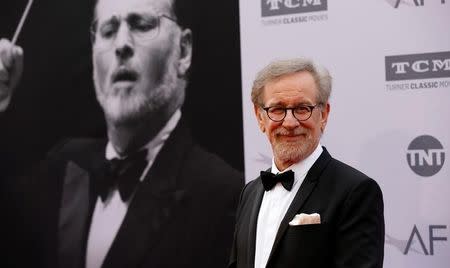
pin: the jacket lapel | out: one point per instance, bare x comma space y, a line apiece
153, 204
258, 195
301, 196
72, 218
77, 203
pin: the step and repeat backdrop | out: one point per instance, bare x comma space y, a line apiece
390, 104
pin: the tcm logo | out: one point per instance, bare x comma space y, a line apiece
425, 156
417, 66
285, 7
417, 3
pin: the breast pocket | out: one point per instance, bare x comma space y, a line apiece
310, 240
304, 246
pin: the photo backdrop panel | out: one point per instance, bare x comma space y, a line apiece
390, 105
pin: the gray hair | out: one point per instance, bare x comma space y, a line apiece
280, 68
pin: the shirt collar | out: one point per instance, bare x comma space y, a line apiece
156, 142
301, 168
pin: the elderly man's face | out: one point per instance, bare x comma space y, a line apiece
139, 59
292, 140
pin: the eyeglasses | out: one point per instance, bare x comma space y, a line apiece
142, 28
301, 112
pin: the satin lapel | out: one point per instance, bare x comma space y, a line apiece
73, 217
77, 204
153, 204
302, 195
258, 195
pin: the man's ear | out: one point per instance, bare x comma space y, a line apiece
325, 111
185, 52
259, 117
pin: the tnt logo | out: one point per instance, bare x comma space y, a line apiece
425, 156
285, 7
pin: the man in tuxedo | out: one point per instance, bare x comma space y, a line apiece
308, 209
148, 196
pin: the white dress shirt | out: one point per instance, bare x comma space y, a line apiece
108, 215
274, 206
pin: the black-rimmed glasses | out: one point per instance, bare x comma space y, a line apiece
301, 112
142, 27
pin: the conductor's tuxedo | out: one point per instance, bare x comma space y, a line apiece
351, 232
182, 214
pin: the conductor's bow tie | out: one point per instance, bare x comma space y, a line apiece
269, 179
122, 173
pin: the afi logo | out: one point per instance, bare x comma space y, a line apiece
432, 237
420, 242
425, 156
396, 3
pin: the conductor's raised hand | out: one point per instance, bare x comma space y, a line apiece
11, 68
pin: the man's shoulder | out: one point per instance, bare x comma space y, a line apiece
82, 151
73, 147
211, 170
329, 166
250, 189
211, 163
341, 168
195, 159
349, 177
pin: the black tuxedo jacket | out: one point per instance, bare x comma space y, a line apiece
182, 214
351, 233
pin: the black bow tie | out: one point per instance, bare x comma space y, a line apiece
269, 179
123, 173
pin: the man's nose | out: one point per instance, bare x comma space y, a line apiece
124, 43
290, 121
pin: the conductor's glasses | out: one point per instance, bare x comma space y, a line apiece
142, 28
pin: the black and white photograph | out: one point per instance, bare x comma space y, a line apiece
121, 141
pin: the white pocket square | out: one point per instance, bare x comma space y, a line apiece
302, 219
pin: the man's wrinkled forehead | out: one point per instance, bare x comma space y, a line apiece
108, 8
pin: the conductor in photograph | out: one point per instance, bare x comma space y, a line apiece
147, 196
308, 209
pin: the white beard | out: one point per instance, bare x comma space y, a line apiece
293, 151
136, 105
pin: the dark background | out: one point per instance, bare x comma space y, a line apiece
56, 98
